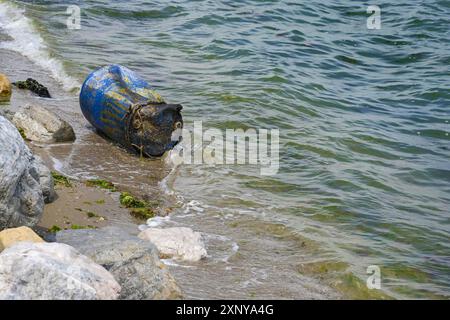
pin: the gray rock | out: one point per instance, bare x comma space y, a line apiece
46, 181
7, 113
42, 125
52, 271
133, 262
21, 199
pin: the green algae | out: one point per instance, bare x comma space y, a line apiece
138, 208
103, 184
400, 271
22, 133
336, 274
59, 179
78, 227
322, 267
142, 213
129, 201
91, 214
354, 288
54, 229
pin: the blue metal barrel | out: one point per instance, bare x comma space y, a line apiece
125, 108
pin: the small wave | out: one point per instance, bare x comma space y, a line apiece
139, 14
27, 41
157, 221
175, 263
193, 205
224, 247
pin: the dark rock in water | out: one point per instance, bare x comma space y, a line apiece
34, 87
134, 263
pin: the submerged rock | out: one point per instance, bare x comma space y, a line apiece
52, 271
34, 87
10, 237
133, 262
5, 88
21, 198
181, 243
42, 125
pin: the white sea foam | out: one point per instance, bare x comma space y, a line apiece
193, 205
57, 164
176, 263
142, 227
27, 41
157, 221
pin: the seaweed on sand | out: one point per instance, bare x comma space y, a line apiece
103, 184
138, 208
61, 180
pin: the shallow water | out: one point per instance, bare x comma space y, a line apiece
363, 118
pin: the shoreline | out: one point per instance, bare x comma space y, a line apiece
72, 207
74, 204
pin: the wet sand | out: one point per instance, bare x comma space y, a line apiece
80, 206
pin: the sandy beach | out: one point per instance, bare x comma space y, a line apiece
80, 206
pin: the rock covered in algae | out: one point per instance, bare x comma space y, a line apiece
34, 87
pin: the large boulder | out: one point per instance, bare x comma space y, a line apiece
133, 262
5, 88
52, 271
41, 125
182, 243
10, 237
21, 198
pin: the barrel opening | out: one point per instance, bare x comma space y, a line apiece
152, 126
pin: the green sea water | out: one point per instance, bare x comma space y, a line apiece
363, 117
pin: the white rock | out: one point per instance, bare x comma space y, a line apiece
52, 271
21, 198
42, 125
181, 243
